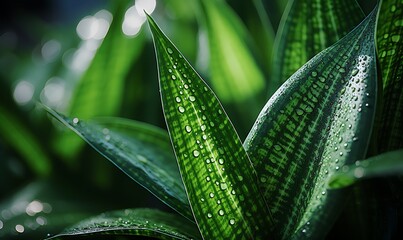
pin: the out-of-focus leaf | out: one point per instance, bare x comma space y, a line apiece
387, 164
141, 151
306, 28
22, 140
315, 123
42, 208
100, 90
234, 74
218, 176
389, 37
138, 222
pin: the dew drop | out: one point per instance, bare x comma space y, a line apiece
322, 79
314, 74
232, 221
263, 179
188, 129
354, 72
203, 127
208, 179
209, 215
233, 192
19, 228
181, 109
107, 138
240, 178
299, 112
208, 160
76, 121
173, 77
211, 195
277, 147
359, 172
178, 99
218, 202
202, 199
196, 153
169, 50
221, 161
221, 212
223, 186
341, 153
192, 98
204, 137
304, 230
342, 70
395, 38
323, 192
170, 70
219, 111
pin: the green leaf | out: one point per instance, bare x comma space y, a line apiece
387, 164
389, 37
22, 140
138, 222
141, 151
219, 179
306, 28
100, 90
235, 76
315, 123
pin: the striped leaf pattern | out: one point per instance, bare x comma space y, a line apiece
308, 27
219, 179
316, 122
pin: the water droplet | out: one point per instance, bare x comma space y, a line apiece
354, 72
202, 199
192, 98
304, 230
211, 195
219, 111
19, 228
188, 129
221, 161
170, 70
314, 74
299, 112
342, 70
209, 215
212, 124
322, 79
75, 121
263, 179
341, 153
359, 172
232, 221
240, 178
233, 192
323, 192
178, 99
223, 186
196, 153
208, 179
173, 77
277, 147
221, 212
204, 137
107, 138
181, 109
203, 127
208, 160
169, 50
186, 86
218, 202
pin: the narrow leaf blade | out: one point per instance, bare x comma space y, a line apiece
306, 28
218, 176
134, 222
316, 122
140, 150
387, 164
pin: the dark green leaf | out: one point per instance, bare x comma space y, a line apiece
140, 150
218, 176
387, 164
235, 75
138, 222
389, 37
21, 138
315, 123
307, 27
100, 90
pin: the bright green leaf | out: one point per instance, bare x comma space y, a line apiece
387, 164
21, 138
307, 27
100, 90
389, 37
315, 123
140, 150
218, 176
235, 76
134, 222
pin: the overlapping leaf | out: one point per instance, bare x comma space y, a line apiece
315, 123
141, 151
389, 37
218, 176
306, 28
100, 90
137, 222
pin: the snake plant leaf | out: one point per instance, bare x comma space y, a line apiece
133, 222
314, 124
18, 136
141, 151
386, 164
100, 90
219, 179
306, 28
389, 38
228, 67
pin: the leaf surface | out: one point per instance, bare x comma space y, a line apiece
137, 222
219, 179
315, 123
141, 151
307, 27
389, 38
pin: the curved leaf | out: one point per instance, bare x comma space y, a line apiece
389, 37
307, 27
387, 164
138, 222
140, 150
317, 121
231, 63
218, 176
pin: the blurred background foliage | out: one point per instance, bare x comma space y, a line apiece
95, 58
